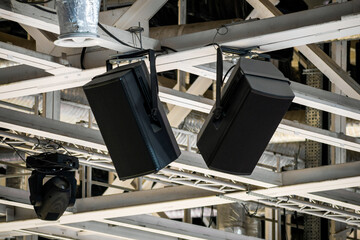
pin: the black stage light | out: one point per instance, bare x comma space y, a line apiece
241, 124
132, 120
51, 199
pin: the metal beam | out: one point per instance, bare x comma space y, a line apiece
140, 11
319, 135
183, 197
91, 138
116, 232
316, 25
258, 12
312, 52
35, 59
135, 227
110, 17
175, 229
186, 100
11, 74
332, 70
28, 15
304, 95
199, 87
126, 204
48, 84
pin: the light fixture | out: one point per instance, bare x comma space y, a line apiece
245, 116
51, 199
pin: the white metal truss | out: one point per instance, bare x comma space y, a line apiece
307, 206
193, 179
316, 209
101, 160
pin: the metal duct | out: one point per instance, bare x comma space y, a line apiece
234, 218
195, 213
78, 21
10, 156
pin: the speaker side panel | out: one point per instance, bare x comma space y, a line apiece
116, 119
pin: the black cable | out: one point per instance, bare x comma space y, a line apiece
228, 71
44, 9
286, 238
21, 157
60, 146
168, 48
33, 3
115, 38
219, 33
82, 56
16, 150
211, 216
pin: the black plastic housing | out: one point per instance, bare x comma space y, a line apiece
253, 101
121, 102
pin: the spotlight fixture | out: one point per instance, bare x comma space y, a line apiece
131, 118
51, 199
245, 116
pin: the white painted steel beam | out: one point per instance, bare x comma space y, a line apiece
91, 138
326, 101
126, 204
110, 17
304, 95
319, 135
135, 227
186, 100
316, 25
140, 11
11, 74
258, 12
313, 53
175, 229
48, 84
31, 16
183, 197
332, 70
35, 59
177, 114
115, 232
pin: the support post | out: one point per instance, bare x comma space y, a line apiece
88, 180
51, 105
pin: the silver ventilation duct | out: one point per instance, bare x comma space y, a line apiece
78, 21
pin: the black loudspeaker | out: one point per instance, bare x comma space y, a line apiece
138, 141
253, 102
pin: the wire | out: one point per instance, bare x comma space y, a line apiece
83, 51
60, 146
219, 33
16, 150
211, 216
43, 9
247, 211
115, 38
168, 48
33, 3
286, 238
228, 71
37, 169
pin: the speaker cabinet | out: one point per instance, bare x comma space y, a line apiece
253, 101
121, 102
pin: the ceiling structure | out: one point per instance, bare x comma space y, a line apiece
187, 182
